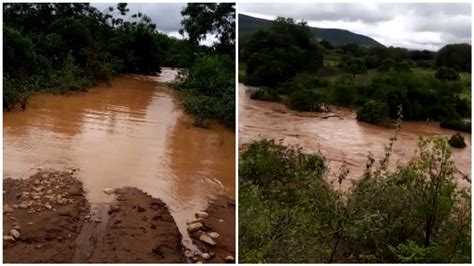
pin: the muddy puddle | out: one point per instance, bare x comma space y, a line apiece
338, 135
129, 133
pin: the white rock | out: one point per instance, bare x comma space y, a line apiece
194, 227
221, 221
206, 256
23, 206
194, 221
109, 191
214, 234
229, 259
8, 238
202, 214
207, 239
15, 233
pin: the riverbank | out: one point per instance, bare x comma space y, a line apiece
338, 136
149, 141
47, 219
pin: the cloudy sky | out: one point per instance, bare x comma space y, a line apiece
414, 26
166, 16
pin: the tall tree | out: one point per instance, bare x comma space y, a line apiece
202, 20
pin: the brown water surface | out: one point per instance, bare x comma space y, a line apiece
337, 135
131, 133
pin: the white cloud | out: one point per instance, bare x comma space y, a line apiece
414, 26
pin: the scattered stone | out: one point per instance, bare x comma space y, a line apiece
108, 191
214, 234
7, 209
48, 206
207, 239
199, 220
206, 256
229, 259
202, 214
221, 221
23, 206
44, 176
30, 223
8, 238
17, 227
37, 197
15, 233
188, 254
199, 262
194, 227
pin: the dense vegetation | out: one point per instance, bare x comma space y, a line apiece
291, 209
269, 64
290, 212
62, 47
430, 86
209, 88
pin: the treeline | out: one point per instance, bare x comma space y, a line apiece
286, 59
291, 212
209, 87
61, 47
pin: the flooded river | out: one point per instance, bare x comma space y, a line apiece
131, 133
337, 135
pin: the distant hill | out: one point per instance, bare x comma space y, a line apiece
248, 24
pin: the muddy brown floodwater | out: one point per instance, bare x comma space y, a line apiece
338, 135
131, 133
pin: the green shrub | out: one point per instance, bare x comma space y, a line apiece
344, 93
266, 161
457, 141
375, 112
456, 124
447, 74
209, 89
288, 212
305, 100
265, 94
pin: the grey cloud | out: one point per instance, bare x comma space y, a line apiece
450, 21
166, 16
317, 11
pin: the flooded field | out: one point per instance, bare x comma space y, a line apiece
338, 135
130, 133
